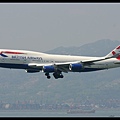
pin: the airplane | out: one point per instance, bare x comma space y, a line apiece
33, 62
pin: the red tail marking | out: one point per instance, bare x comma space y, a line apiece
118, 57
118, 47
113, 52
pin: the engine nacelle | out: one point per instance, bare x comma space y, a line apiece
76, 67
32, 70
48, 69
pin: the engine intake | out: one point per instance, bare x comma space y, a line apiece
76, 67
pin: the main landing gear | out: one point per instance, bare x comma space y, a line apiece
55, 74
48, 75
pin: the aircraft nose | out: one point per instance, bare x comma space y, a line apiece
3, 55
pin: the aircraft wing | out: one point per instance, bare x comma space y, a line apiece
99, 59
93, 60
64, 66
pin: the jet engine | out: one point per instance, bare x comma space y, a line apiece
48, 69
76, 67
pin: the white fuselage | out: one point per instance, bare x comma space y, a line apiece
20, 59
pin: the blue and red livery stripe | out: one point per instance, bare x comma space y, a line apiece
9, 52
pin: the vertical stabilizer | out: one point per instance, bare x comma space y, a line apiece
114, 53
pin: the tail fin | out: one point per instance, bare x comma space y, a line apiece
114, 53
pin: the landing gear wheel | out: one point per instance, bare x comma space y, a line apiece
61, 76
57, 75
48, 77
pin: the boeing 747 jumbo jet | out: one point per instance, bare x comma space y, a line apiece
33, 62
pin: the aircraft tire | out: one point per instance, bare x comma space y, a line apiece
48, 77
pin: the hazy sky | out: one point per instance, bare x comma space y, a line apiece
42, 27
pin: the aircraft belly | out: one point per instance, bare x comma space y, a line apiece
11, 65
